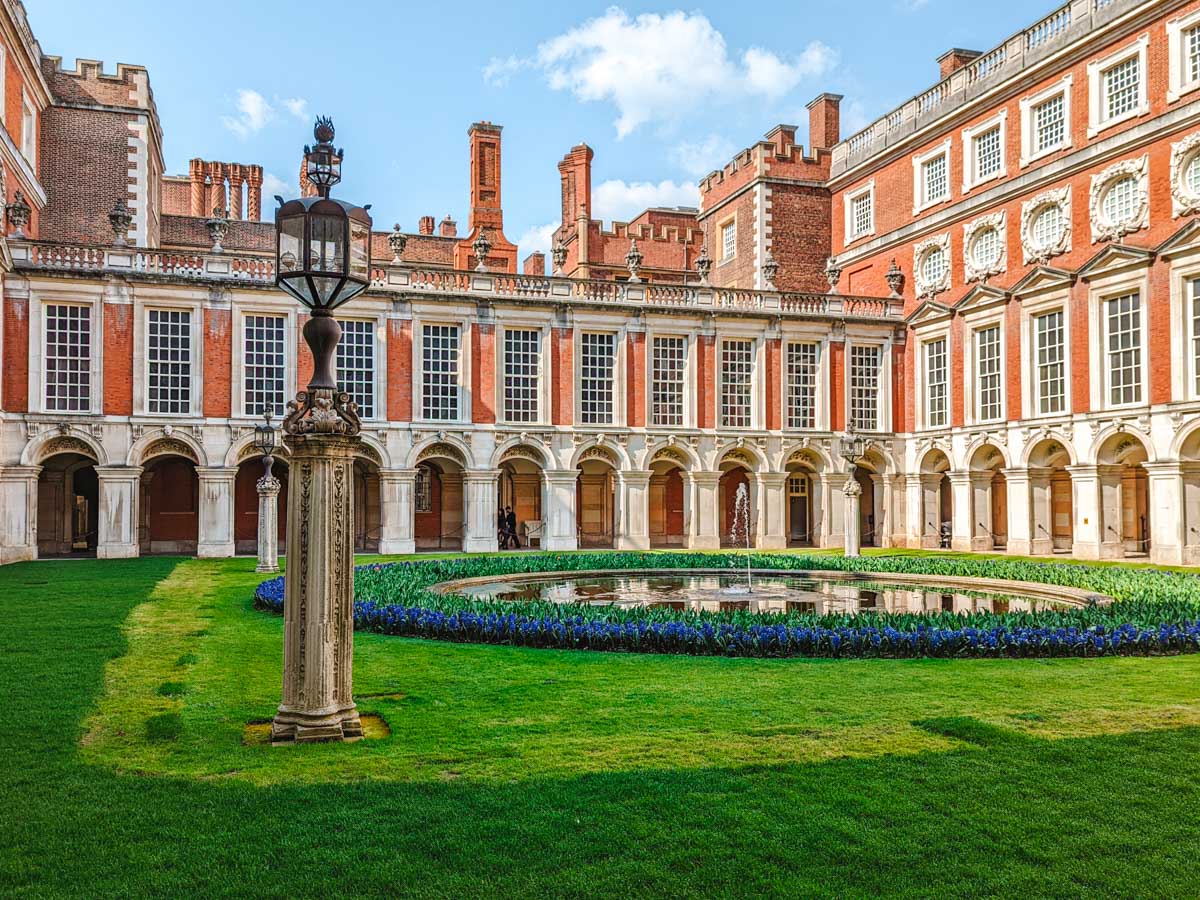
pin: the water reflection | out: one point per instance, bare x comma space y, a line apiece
772, 594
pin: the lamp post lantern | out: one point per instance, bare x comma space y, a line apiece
323, 259
268, 498
853, 448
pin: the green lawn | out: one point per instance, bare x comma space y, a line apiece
126, 687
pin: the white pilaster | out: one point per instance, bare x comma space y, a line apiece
633, 521
980, 493
18, 513
1166, 512
1020, 541
117, 536
914, 528
706, 511
558, 510
1085, 483
771, 488
216, 512
479, 485
833, 514
960, 527
396, 487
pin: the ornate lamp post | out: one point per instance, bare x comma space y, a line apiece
268, 499
853, 447
323, 260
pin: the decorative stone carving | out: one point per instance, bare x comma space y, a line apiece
169, 446
18, 214
703, 265
444, 450
1102, 228
669, 454
120, 219
482, 247
66, 445
930, 285
1184, 200
975, 268
833, 273
895, 279
770, 270
522, 452
558, 255
218, 227
397, 241
322, 412
598, 453
1030, 209
633, 260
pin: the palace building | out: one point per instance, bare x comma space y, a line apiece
997, 284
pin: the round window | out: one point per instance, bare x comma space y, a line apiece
1191, 175
985, 249
1047, 229
933, 266
1120, 202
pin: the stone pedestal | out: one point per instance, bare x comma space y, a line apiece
396, 487
853, 515
119, 486
318, 638
268, 524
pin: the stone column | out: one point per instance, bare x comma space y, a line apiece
479, 535
396, 488
914, 513
1112, 538
852, 491
1166, 512
633, 523
268, 524
1020, 540
706, 514
318, 637
1085, 484
560, 531
886, 526
1041, 513
120, 495
18, 513
960, 526
771, 488
980, 492
216, 512
834, 517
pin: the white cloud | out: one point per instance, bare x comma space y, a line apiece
616, 199
297, 106
912, 6
254, 112
272, 185
498, 71
538, 237
698, 158
661, 67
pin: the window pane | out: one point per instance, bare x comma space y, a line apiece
861, 214
864, 386
1121, 87
987, 153
936, 182
169, 361
1124, 349
935, 384
728, 240
668, 362
987, 356
802, 385
522, 374
439, 372
68, 358
1049, 123
737, 370
356, 364
597, 358
1051, 357
264, 355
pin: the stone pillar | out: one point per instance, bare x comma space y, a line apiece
268, 524
980, 493
914, 528
834, 516
886, 527
216, 512
560, 531
1020, 540
1085, 485
633, 523
1166, 512
479, 534
1112, 540
931, 510
1041, 513
18, 513
318, 636
771, 488
852, 491
396, 487
120, 495
706, 511
960, 530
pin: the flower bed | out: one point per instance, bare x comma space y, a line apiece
1156, 612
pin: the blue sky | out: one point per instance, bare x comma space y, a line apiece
663, 93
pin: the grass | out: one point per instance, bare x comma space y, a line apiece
128, 686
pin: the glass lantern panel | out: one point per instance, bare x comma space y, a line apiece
360, 245
291, 239
325, 288
326, 247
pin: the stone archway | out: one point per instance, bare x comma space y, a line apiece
736, 468
989, 499
1051, 498
805, 499
367, 502
596, 498
1124, 497
937, 500
519, 498
68, 504
1189, 469
169, 514
667, 500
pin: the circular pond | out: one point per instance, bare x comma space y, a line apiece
820, 593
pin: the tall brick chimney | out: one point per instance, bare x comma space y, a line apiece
824, 121
448, 228
486, 211
782, 136
955, 58
425, 225
575, 173
535, 263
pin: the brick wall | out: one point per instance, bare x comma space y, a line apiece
14, 374
218, 362
118, 359
399, 361
483, 373
84, 167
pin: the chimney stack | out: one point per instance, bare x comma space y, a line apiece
425, 225
449, 227
824, 121
535, 263
955, 58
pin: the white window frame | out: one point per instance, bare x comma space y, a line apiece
465, 336
1027, 105
1185, 268
1097, 101
943, 337
754, 391
544, 373
688, 394
618, 336
730, 222
848, 200
1179, 80
973, 323
379, 364
919, 161
39, 301
3, 83
969, 136
141, 356
821, 393
29, 142
1031, 310
290, 337
1101, 291
883, 409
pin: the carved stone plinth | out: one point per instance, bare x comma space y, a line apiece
318, 640
268, 524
